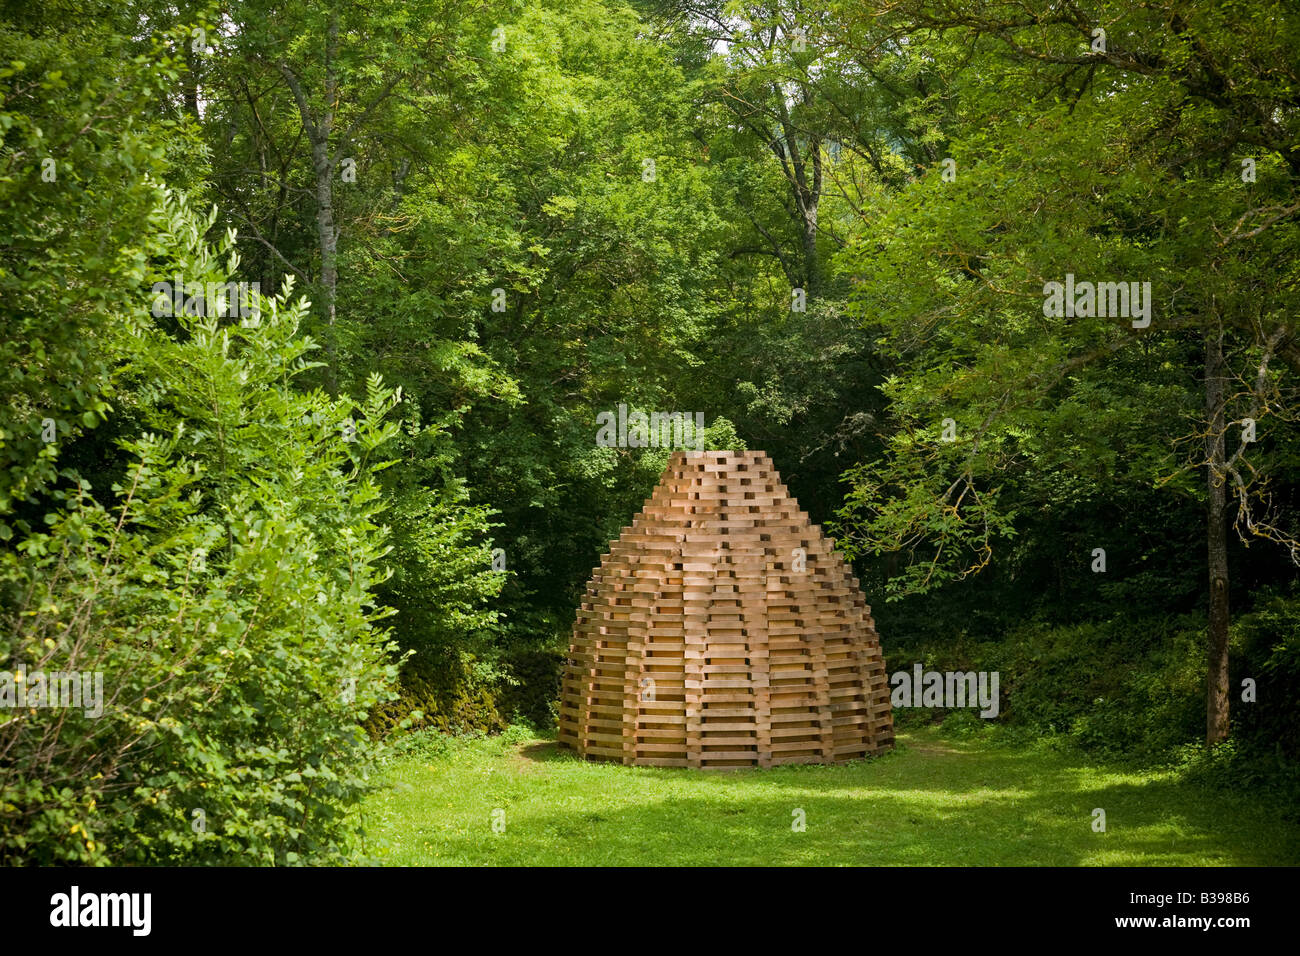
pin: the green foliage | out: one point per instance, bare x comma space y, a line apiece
442, 554
950, 277
1269, 638
1129, 685
532, 695
79, 159
227, 597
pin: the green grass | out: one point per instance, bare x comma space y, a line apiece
934, 801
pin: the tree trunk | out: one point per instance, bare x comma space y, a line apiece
806, 191
329, 238
1216, 687
319, 129
807, 197
190, 86
812, 265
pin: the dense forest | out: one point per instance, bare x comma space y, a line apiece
335, 335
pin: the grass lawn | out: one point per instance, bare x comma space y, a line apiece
934, 801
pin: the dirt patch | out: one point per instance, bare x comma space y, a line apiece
529, 758
933, 748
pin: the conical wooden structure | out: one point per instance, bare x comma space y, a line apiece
723, 630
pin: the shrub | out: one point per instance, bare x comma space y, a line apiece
1122, 686
227, 598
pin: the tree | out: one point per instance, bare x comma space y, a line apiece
345, 72
1140, 137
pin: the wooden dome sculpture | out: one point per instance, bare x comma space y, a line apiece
707, 639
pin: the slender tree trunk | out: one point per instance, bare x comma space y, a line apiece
329, 236
813, 202
812, 265
191, 84
805, 189
319, 129
329, 239
1216, 697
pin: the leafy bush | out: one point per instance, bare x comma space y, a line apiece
1122, 686
1134, 687
442, 554
75, 198
227, 597
534, 693
1269, 638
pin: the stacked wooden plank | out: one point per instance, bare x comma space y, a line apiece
723, 630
